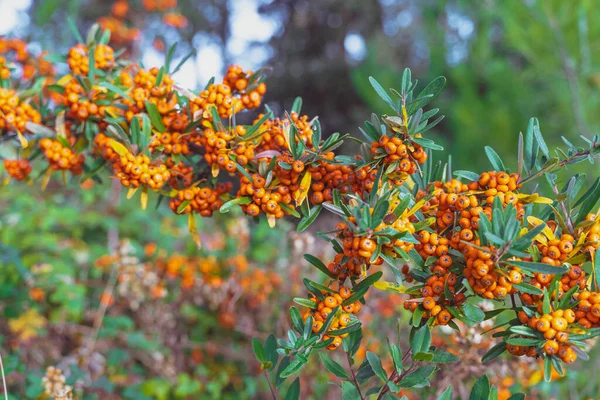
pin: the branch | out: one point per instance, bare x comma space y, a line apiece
354, 380
270, 386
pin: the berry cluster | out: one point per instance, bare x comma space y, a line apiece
333, 301
61, 157
138, 171
18, 169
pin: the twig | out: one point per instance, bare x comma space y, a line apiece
395, 378
270, 386
354, 377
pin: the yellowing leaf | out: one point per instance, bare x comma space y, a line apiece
46, 178
118, 148
286, 134
22, 140
546, 231
390, 287
144, 198
27, 325
62, 81
131, 192
61, 129
302, 192
534, 198
523, 231
535, 378
215, 170
271, 220
193, 230
415, 208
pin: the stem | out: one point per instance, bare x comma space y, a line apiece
580, 154
395, 378
354, 380
3, 379
270, 386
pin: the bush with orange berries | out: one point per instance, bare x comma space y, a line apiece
449, 239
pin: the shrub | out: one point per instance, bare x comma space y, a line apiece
448, 239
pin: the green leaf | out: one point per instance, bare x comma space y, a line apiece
259, 350
443, 357
155, 117
307, 220
427, 143
406, 81
183, 61
540, 139
74, 30
547, 368
420, 339
494, 352
271, 350
169, 57
135, 131
293, 392
289, 210
250, 132
349, 391
297, 106
376, 365
368, 281
481, 389
347, 329
382, 93
523, 330
495, 159
422, 356
285, 362
396, 353
473, 312
333, 366
296, 319
294, 367
527, 288
591, 199
379, 212
538, 267
243, 171
517, 341
351, 343
319, 265
447, 395
468, 175
226, 207
417, 377
305, 302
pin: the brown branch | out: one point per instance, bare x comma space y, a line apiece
354, 380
